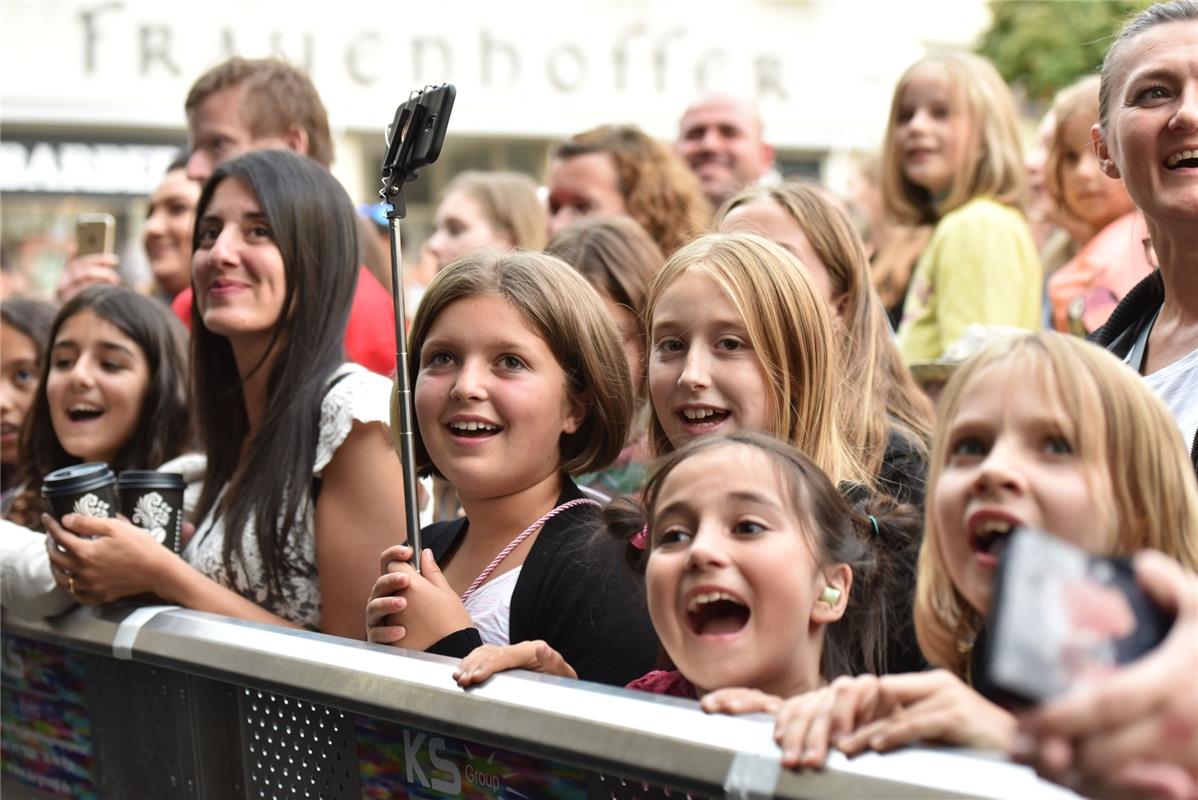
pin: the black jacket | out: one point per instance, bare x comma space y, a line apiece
574, 592
1137, 309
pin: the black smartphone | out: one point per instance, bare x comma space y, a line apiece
1059, 614
416, 134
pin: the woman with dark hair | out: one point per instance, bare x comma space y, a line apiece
24, 331
112, 389
302, 487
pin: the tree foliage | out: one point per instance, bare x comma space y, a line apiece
1042, 46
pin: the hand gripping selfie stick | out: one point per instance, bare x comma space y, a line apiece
414, 140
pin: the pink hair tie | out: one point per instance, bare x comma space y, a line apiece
638, 538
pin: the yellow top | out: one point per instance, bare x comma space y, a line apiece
980, 267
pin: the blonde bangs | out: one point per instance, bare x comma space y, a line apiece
992, 164
1120, 430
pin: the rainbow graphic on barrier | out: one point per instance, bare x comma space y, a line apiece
45, 730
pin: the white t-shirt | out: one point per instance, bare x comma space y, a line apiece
491, 608
1177, 386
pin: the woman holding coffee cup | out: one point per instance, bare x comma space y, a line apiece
302, 489
110, 390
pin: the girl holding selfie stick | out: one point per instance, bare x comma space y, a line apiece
519, 382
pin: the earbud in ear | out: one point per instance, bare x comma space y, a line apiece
830, 595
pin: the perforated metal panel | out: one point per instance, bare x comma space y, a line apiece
297, 749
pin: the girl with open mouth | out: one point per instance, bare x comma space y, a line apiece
1084, 451
112, 388
741, 339
760, 578
520, 381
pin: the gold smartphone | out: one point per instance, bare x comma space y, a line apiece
95, 233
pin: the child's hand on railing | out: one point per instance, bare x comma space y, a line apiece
740, 701
535, 655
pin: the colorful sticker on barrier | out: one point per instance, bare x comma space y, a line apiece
396, 761
45, 730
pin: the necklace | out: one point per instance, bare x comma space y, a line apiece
505, 552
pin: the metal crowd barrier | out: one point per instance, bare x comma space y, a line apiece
155, 701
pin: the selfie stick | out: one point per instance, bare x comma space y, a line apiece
414, 140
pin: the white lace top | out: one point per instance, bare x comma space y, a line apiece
361, 395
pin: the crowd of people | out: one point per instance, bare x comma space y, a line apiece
682, 426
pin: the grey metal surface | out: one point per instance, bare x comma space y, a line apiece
626, 734
160, 733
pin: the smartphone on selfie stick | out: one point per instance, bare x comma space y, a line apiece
414, 140
1057, 615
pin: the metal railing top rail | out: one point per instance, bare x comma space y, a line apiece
646, 737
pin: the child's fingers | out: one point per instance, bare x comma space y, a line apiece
394, 556
911, 687
551, 662
858, 740
390, 583
431, 572
721, 701
385, 634
466, 667
740, 701
926, 722
815, 746
856, 699
485, 661
380, 608
791, 725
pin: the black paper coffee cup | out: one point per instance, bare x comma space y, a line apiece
87, 489
154, 501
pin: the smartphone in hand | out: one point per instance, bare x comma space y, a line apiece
95, 233
1058, 615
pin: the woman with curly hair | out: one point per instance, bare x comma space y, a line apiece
618, 169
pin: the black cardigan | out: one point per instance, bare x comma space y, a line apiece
1137, 309
574, 592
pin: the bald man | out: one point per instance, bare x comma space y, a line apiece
720, 136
